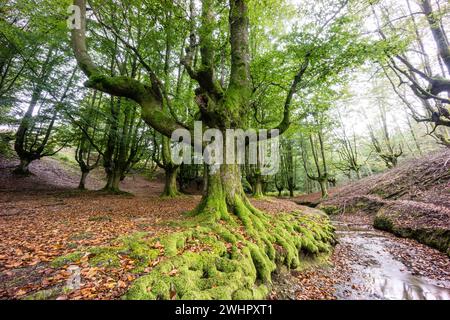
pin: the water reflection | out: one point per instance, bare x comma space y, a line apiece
380, 274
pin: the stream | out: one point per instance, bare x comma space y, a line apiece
377, 273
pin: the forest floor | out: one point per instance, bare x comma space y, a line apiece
43, 217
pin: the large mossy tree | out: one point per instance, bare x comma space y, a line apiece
228, 77
220, 105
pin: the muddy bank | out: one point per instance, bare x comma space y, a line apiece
410, 201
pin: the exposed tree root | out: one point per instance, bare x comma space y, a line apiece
239, 254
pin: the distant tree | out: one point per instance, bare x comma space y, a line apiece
317, 149
422, 68
347, 151
33, 136
385, 147
289, 165
88, 152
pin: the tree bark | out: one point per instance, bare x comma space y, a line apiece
291, 193
170, 184
113, 181
23, 167
438, 33
224, 194
258, 187
82, 184
323, 188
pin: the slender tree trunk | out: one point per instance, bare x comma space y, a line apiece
171, 170
438, 33
82, 184
258, 187
205, 179
324, 188
170, 184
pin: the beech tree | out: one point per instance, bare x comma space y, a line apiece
225, 88
90, 137
34, 134
423, 69
382, 141
220, 106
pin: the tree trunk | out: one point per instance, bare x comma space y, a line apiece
171, 170
258, 187
23, 167
291, 192
170, 185
113, 181
438, 33
324, 188
224, 195
82, 184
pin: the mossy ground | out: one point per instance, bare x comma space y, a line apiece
67, 259
232, 263
137, 246
206, 258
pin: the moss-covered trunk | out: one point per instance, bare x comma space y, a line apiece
113, 181
223, 191
324, 188
170, 183
258, 187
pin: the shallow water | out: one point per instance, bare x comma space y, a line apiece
378, 272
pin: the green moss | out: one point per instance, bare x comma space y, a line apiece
47, 294
382, 222
380, 192
235, 259
228, 271
173, 242
104, 257
67, 259
234, 255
